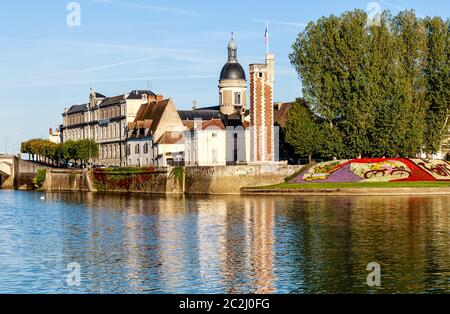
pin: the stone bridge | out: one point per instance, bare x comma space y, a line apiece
8, 171
16, 173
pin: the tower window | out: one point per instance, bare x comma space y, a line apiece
237, 98
260, 74
220, 98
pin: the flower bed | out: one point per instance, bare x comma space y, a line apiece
376, 170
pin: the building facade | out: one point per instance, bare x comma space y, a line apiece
155, 137
54, 136
229, 133
105, 120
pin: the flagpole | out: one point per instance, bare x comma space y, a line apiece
267, 37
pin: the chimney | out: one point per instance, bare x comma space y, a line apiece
159, 98
50, 131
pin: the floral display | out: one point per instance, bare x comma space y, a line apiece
322, 171
438, 169
384, 171
376, 170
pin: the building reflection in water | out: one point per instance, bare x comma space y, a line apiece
237, 244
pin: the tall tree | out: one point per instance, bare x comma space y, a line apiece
302, 131
437, 75
375, 87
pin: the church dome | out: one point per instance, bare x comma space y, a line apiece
232, 70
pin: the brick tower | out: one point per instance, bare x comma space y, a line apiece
262, 78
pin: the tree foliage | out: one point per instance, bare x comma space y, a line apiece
377, 91
46, 151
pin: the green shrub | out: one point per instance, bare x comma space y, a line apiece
177, 173
39, 179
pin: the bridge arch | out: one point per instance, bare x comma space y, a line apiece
6, 167
6, 172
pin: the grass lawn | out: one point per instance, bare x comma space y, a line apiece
355, 185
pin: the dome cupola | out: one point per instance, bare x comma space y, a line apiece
232, 70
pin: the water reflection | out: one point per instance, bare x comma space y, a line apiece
230, 244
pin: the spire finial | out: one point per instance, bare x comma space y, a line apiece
232, 35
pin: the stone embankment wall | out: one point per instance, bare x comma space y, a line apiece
230, 179
26, 171
67, 180
191, 180
156, 181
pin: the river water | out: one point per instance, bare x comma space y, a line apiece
222, 244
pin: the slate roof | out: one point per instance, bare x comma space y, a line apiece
204, 114
112, 101
77, 109
137, 94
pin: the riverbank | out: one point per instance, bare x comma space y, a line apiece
204, 180
353, 188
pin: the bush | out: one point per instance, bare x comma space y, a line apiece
39, 179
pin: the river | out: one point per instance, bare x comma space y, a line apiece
222, 244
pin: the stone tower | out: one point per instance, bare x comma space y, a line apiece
232, 83
262, 79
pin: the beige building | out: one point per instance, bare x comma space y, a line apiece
155, 137
105, 120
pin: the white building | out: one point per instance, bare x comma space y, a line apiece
54, 136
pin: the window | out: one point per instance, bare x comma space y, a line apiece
128, 150
136, 149
146, 148
220, 98
214, 134
260, 74
237, 98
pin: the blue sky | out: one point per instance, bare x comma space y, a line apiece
180, 46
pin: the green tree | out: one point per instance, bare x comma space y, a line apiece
372, 85
302, 131
437, 75
86, 150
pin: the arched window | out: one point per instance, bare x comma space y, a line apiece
146, 148
136, 149
237, 98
